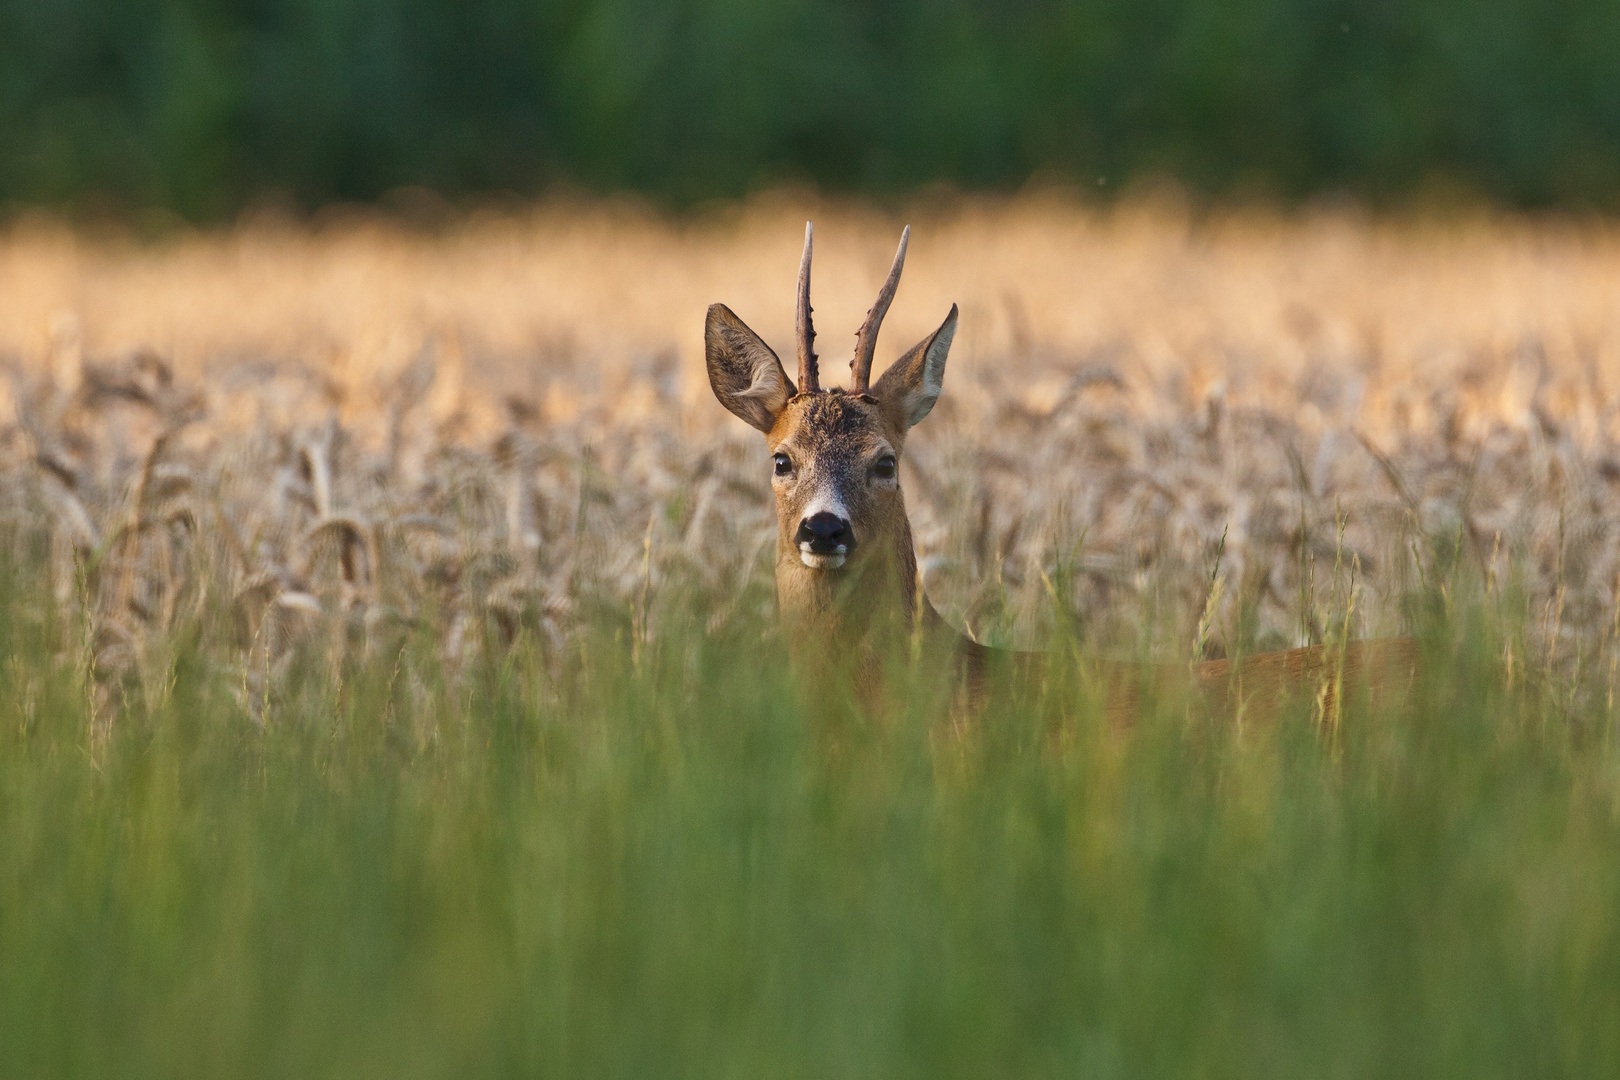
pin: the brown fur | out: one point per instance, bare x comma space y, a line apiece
1256, 689
834, 437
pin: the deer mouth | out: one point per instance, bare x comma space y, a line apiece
820, 560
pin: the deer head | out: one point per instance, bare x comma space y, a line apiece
844, 551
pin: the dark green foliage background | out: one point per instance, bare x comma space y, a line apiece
202, 106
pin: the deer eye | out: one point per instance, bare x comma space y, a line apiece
784, 465
884, 467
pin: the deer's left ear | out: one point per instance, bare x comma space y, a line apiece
744, 373
913, 382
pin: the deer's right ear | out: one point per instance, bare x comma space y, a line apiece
913, 382
743, 371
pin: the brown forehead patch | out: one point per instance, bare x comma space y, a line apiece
819, 422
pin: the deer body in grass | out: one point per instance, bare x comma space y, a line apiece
846, 569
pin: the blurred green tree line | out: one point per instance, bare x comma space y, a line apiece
204, 105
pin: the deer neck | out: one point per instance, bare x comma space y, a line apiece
856, 612
847, 625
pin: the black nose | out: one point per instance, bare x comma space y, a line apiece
825, 533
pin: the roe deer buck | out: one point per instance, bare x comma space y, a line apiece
846, 570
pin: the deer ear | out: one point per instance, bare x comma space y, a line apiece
913, 382
743, 371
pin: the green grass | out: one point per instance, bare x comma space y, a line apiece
652, 860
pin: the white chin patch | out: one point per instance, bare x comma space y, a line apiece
821, 562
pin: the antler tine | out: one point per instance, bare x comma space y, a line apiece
809, 378
866, 337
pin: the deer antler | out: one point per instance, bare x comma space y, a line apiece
866, 337
809, 380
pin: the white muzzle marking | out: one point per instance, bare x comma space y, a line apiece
822, 562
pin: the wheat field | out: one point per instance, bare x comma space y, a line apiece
349, 419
